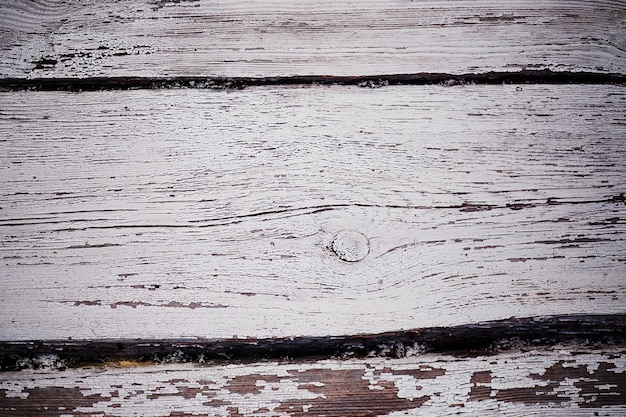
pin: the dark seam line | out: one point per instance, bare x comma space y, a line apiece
369, 81
467, 340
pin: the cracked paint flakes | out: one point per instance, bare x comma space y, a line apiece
538, 381
579, 379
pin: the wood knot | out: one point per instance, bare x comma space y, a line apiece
351, 246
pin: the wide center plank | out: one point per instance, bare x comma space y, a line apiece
220, 213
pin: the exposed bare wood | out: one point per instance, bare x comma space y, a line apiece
194, 213
573, 380
78, 38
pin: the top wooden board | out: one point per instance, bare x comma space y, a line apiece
259, 38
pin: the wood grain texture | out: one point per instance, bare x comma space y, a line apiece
161, 239
258, 38
195, 213
573, 380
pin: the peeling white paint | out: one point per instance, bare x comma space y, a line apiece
160, 389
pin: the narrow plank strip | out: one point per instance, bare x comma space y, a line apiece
575, 380
194, 213
258, 39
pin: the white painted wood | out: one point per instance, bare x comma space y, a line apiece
573, 380
279, 212
196, 213
79, 38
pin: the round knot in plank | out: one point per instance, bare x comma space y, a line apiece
351, 246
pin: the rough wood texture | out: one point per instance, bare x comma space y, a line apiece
573, 380
194, 213
81, 38
141, 229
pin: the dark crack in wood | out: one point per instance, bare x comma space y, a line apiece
367, 81
464, 340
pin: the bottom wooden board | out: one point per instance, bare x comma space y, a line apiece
573, 380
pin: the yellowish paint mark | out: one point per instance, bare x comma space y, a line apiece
128, 364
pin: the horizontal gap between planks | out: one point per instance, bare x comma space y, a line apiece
471, 339
372, 81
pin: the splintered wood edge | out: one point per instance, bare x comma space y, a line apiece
546, 76
471, 339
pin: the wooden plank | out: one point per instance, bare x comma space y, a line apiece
575, 380
214, 214
258, 38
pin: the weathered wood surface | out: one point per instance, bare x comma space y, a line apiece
80, 38
165, 226
573, 380
213, 214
